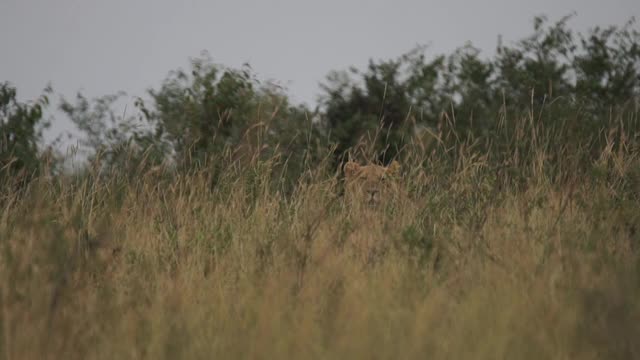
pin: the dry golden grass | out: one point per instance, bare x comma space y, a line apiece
468, 265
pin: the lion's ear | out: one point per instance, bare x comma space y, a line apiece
350, 168
394, 168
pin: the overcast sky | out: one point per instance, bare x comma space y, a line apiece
100, 47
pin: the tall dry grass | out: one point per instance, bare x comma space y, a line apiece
527, 255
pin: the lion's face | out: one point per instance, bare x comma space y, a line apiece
371, 183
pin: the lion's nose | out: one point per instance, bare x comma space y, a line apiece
373, 194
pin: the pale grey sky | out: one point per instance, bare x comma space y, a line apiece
100, 47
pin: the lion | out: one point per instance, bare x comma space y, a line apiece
372, 184
369, 189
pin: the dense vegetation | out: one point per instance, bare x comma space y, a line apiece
211, 224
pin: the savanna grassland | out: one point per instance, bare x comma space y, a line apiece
210, 219
527, 259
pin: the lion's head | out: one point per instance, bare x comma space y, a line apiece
371, 183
